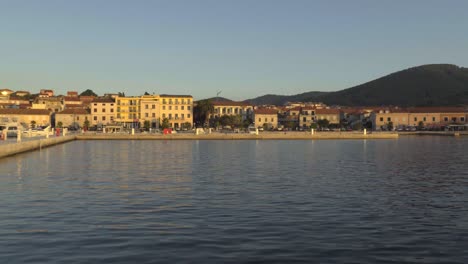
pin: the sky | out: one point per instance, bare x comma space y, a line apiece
242, 49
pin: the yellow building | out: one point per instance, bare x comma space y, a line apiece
178, 109
102, 111
127, 110
134, 111
150, 110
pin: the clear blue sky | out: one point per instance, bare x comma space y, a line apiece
244, 48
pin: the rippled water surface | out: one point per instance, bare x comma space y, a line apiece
378, 201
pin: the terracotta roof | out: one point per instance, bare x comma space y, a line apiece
297, 108
437, 110
12, 111
103, 100
71, 98
265, 111
324, 111
227, 103
73, 111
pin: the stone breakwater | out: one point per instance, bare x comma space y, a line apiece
16, 148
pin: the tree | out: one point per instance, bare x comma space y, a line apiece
390, 126
146, 124
121, 94
86, 123
202, 110
146, 93
33, 124
323, 123
59, 124
165, 123
313, 126
186, 125
225, 120
88, 92
420, 125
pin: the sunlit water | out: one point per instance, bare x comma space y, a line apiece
374, 201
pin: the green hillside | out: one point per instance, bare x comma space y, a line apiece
427, 85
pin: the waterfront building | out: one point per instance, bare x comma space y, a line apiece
72, 117
39, 117
178, 109
428, 117
150, 110
103, 111
266, 118
86, 100
128, 110
232, 108
333, 115
22, 93
307, 116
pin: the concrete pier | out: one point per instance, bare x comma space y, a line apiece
24, 146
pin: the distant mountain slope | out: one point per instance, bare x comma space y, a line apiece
427, 85
282, 99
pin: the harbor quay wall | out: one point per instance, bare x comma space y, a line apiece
240, 136
20, 147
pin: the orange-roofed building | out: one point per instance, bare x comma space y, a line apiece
266, 118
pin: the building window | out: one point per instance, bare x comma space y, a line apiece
164, 107
164, 116
153, 115
112, 110
272, 119
103, 118
259, 120
170, 116
77, 118
433, 119
181, 107
389, 119
188, 107
176, 115
176, 107
415, 119
170, 107
103, 110
188, 115
95, 104
381, 119
146, 106
112, 118
445, 119
424, 119
462, 119
153, 106
304, 119
95, 118
95, 110
454, 119
146, 114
